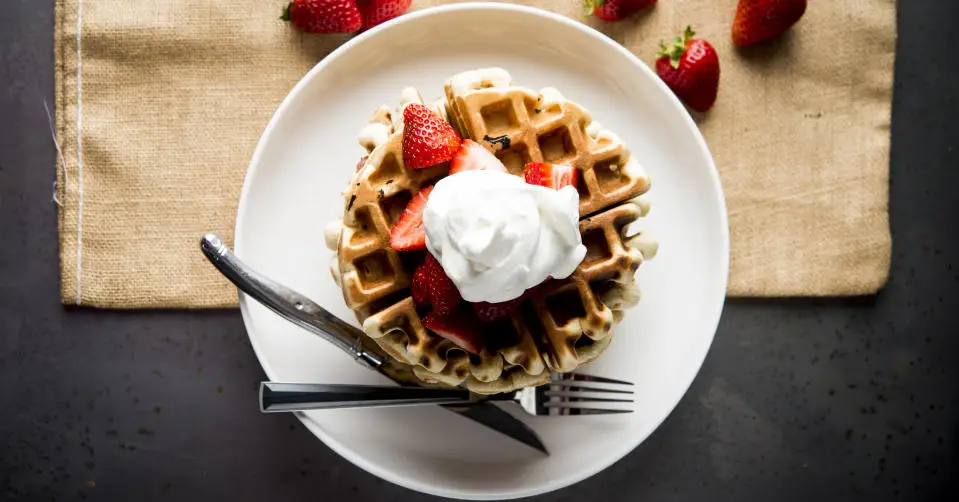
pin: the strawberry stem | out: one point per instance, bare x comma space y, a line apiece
286, 12
675, 50
592, 5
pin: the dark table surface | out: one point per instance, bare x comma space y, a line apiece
840, 399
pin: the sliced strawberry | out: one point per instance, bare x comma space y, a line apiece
492, 312
458, 327
442, 292
409, 234
473, 157
420, 287
554, 176
427, 138
534, 173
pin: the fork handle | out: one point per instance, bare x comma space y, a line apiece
280, 397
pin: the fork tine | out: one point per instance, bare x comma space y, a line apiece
562, 386
579, 377
567, 400
591, 411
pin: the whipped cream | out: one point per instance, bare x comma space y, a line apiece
461, 83
631, 168
374, 134
550, 97
377, 129
497, 236
408, 96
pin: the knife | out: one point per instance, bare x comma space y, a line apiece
306, 314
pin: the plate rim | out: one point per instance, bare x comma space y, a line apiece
281, 110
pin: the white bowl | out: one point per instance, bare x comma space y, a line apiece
305, 158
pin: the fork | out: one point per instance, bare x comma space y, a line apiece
566, 394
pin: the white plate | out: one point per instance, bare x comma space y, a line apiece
305, 158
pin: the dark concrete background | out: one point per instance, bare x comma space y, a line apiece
848, 399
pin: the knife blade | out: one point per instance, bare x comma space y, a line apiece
306, 314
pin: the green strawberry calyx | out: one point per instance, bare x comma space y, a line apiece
675, 50
591, 5
286, 12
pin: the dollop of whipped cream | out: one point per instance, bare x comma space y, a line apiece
497, 236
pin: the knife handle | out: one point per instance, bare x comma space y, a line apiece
281, 397
289, 304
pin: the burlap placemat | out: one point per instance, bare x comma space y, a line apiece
160, 104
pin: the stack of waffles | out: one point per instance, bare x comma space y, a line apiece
563, 323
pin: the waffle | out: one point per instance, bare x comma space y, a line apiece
521, 126
561, 324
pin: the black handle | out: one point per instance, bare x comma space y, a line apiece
279, 397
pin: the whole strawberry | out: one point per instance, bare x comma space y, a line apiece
615, 10
324, 16
758, 20
379, 11
690, 67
